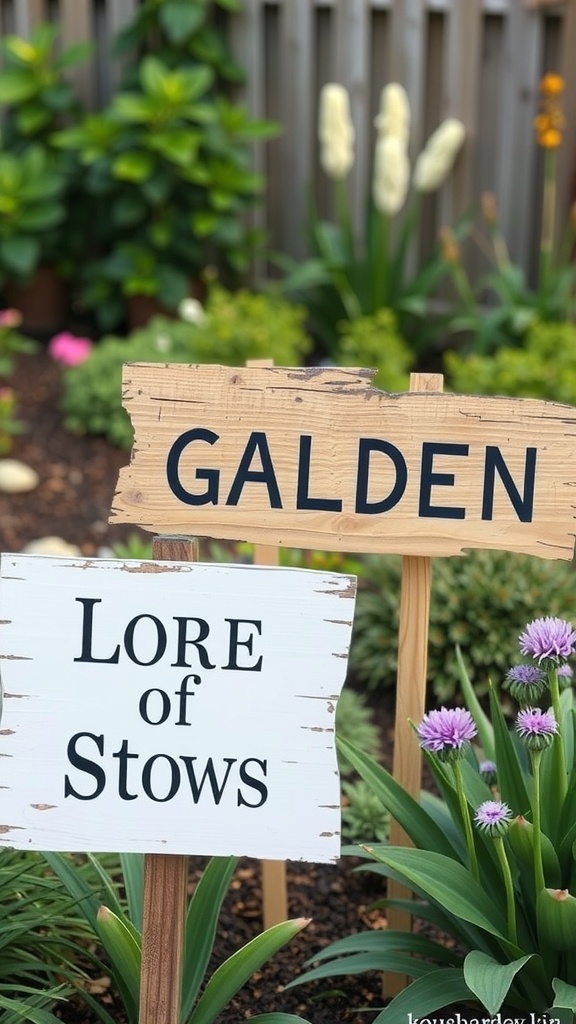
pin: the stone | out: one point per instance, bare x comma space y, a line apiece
16, 477
52, 546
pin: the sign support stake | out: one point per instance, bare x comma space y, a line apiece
410, 693
274, 886
165, 887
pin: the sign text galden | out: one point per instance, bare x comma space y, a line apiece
320, 458
171, 707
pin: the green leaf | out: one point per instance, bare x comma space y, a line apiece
20, 255
16, 87
446, 882
381, 941
180, 20
490, 980
75, 885
136, 166
564, 994
483, 723
278, 1018
201, 924
235, 971
424, 995
422, 830
75, 54
389, 960
511, 782
125, 954
31, 1013
133, 872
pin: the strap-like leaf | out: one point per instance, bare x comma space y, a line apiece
201, 924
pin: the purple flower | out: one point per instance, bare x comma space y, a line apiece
536, 727
550, 638
493, 817
565, 673
526, 682
446, 732
487, 770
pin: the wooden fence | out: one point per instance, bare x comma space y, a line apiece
479, 60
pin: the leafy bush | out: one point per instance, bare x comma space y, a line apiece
374, 340
479, 602
545, 367
236, 327
364, 818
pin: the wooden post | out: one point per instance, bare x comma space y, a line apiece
274, 889
410, 692
165, 888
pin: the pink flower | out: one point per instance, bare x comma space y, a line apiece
10, 317
69, 350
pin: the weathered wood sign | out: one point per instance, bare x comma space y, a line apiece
320, 458
171, 707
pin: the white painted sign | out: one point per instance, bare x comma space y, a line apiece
171, 707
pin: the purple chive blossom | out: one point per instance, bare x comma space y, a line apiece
536, 728
446, 732
526, 683
550, 638
487, 770
493, 818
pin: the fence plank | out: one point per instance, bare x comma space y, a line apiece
352, 53
27, 14
297, 115
76, 26
516, 173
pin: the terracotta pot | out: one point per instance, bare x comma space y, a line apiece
43, 303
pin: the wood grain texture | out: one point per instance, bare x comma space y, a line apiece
414, 618
165, 887
335, 408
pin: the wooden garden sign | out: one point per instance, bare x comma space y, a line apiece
318, 458
172, 707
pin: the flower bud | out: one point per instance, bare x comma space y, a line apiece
437, 158
521, 839
394, 115
391, 175
335, 131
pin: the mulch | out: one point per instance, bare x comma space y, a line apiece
77, 481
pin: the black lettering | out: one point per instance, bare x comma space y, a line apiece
87, 630
303, 499
430, 479
253, 783
235, 643
210, 774
365, 447
143, 706
523, 505
124, 756
183, 640
147, 780
84, 764
183, 693
161, 639
257, 442
212, 476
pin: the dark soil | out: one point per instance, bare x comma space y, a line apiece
77, 481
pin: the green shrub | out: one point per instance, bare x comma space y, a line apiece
236, 327
481, 602
545, 367
364, 817
374, 341
354, 722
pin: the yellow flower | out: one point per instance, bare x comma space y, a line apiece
552, 85
550, 122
